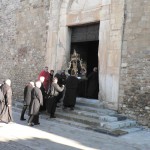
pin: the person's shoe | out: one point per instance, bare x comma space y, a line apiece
22, 119
30, 124
52, 116
38, 123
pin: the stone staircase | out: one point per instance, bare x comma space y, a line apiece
90, 114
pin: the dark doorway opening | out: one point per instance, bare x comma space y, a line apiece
85, 41
88, 52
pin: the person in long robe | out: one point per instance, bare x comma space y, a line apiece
27, 98
55, 89
93, 86
46, 75
36, 101
44, 93
60, 83
51, 76
70, 92
1, 98
6, 112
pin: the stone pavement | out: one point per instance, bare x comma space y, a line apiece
51, 135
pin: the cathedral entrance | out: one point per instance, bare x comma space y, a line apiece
85, 42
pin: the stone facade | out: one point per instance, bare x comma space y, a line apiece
23, 41
134, 94
36, 33
110, 14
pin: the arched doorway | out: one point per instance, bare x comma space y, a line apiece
68, 13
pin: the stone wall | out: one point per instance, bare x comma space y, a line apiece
7, 37
135, 68
23, 41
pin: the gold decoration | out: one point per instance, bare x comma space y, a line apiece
76, 65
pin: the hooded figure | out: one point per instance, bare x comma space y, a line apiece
71, 92
93, 86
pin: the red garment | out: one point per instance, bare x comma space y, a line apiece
47, 79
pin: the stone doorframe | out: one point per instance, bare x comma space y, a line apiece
110, 14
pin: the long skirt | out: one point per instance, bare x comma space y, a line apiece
51, 105
6, 114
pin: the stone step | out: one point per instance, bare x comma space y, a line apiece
78, 118
79, 113
112, 118
89, 117
107, 118
72, 123
89, 114
89, 102
81, 108
132, 129
99, 111
117, 124
111, 128
86, 120
60, 120
77, 107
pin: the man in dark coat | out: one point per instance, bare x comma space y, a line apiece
63, 77
51, 76
27, 98
53, 95
36, 101
71, 92
58, 75
6, 112
93, 88
44, 93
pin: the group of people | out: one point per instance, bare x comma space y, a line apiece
44, 95
47, 92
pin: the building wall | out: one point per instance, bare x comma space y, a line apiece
134, 94
36, 33
8, 37
23, 43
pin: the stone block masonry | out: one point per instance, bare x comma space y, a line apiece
23, 37
135, 69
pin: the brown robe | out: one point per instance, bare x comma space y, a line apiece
36, 101
6, 112
71, 92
